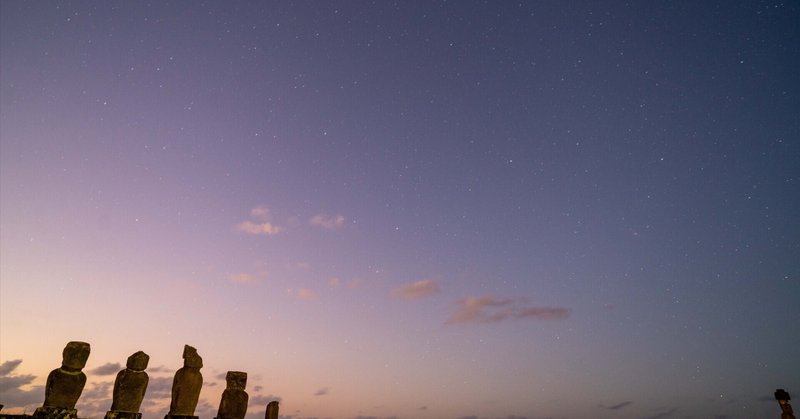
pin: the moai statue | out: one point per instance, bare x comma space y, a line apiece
234, 398
65, 384
129, 388
783, 400
272, 411
186, 386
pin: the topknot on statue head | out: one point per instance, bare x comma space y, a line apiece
75, 356
190, 357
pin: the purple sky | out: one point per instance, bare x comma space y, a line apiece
414, 209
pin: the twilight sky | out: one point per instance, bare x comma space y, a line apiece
416, 209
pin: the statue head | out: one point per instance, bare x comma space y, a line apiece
190, 357
138, 361
236, 380
75, 356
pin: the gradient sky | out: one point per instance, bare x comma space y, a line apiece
412, 209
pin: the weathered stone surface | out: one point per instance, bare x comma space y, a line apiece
234, 399
47, 412
272, 411
129, 387
187, 384
65, 384
112, 414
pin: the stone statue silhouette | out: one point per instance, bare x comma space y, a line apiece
234, 399
65, 384
186, 385
783, 398
272, 410
129, 388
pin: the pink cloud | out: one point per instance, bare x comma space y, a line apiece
243, 278
327, 222
260, 213
265, 228
306, 294
488, 309
415, 290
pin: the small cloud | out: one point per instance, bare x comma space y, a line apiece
258, 388
664, 413
415, 290
323, 391
159, 369
100, 390
306, 294
327, 222
265, 228
244, 278
422, 408
474, 309
618, 406
333, 282
262, 400
488, 309
260, 213
107, 369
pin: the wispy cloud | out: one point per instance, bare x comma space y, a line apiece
9, 366
244, 278
488, 309
107, 369
160, 369
323, 391
262, 401
13, 396
543, 313
306, 294
262, 225
260, 213
265, 228
415, 290
328, 222
618, 405
664, 413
